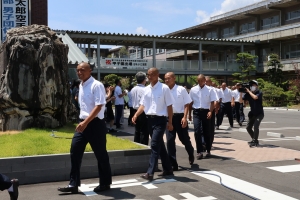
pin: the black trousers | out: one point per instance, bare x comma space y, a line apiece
212, 124
239, 112
201, 128
254, 122
183, 136
132, 112
119, 109
5, 182
95, 134
141, 134
225, 107
156, 128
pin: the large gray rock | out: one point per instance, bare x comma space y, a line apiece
34, 90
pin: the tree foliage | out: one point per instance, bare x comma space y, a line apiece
274, 72
246, 65
123, 52
110, 79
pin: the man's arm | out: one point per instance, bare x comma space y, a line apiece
138, 112
170, 117
82, 125
253, 96
185, 115
190, 110
211, 109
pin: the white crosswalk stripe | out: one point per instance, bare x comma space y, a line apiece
243, 186
87, 189
187, 196
286, 168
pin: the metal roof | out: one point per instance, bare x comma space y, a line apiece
146, 41
75, 55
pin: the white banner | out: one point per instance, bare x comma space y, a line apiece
14, 13
125, 62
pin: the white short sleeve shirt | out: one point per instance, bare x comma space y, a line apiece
156, 99
236, 95
136, 93
91, 94
181, 98
202, 97
227, 95
118, 100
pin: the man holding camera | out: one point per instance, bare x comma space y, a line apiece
256, 114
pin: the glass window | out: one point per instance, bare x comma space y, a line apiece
212, 34
247, 27
270, 22
293, 15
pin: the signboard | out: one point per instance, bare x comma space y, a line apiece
125, 63
14, 13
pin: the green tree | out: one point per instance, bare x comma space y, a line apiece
110, 79
274, 72
246, 65
124, 52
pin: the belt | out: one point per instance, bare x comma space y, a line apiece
200, 109
81, 120
155, 116
178, 114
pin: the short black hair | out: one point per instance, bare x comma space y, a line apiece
117, 81
106, 85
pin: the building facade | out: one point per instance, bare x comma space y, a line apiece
274, 23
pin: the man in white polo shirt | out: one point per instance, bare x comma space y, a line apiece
119, 102
203, 99
91, 129
239, 115
141, 134
157, 104
226, 106
180, 125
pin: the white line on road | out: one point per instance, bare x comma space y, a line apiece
277, 139
189, 196
167, 197
243, 186
287, 168
268, 122
272, 129
272, 134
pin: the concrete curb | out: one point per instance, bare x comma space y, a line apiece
56, 167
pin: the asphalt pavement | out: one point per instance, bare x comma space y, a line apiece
269, 171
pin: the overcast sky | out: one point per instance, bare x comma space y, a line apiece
154, 17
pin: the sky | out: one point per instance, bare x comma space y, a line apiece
150, 17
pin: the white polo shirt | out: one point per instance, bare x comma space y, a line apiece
181, 98
156, 99
118, 100
91, 94
227, 95
219, 93
236, 95
215, 91
202, 97
136, 93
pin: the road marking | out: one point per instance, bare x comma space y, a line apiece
272, 129
167, 197
277, 139
87, 189
188, 196
243, 186
272, 134
268, 122
287, 168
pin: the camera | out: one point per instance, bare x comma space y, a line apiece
244, 86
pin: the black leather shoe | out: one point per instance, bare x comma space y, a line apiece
101, 188
191, 159
15, 194
147, 177
175, 168
73, 190
166, 173
208, 155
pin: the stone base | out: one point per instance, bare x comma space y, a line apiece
52, 168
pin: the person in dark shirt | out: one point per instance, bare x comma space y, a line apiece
109, 113
256, 114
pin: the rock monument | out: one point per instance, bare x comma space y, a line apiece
34, 89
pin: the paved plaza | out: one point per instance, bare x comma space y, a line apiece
269, 171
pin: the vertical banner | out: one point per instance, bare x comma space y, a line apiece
14, 13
